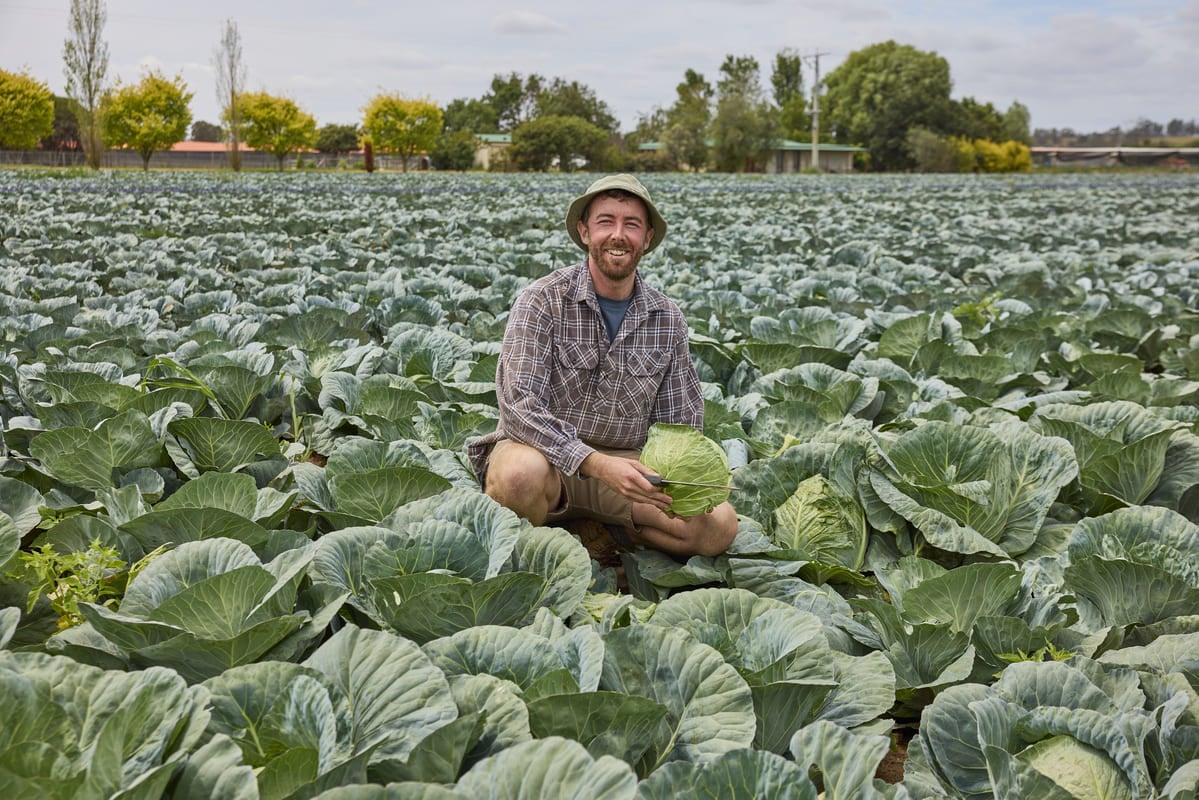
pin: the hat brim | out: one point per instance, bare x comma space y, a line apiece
627, 183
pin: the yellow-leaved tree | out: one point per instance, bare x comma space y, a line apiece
401, 125
26, 111
275, 125
147, 116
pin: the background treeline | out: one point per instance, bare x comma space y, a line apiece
1143, 133
890, 99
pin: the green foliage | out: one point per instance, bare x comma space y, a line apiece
65, 135
454, 150
401, 125
687, 133
514, 99
882, 91
95, 575
573, 99
1015, 127
470, 114
930, 152
975, 120
276, 125
147, 116
26, 111
786, 77
745, 127
334, 138
203, 131
561, 142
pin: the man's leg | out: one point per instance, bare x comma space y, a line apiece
702, 535
520, 478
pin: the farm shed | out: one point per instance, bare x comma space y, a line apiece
489, 145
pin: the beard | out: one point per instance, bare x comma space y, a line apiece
614, 269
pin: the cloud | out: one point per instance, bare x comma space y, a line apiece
526, 22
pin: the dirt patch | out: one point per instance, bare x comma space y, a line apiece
890, 769
600, 545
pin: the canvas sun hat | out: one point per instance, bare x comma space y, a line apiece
627, 183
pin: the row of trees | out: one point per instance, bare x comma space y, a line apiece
154, 113
891, 99
874, 99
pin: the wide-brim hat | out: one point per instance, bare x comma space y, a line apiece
623, 182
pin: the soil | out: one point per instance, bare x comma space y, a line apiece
890, 770
600, 544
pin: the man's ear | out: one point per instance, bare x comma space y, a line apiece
584, 234
649, 237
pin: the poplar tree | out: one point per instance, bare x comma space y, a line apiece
230, 85
85, 58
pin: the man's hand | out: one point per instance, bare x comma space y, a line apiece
625, 477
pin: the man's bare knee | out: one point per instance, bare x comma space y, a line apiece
520, 478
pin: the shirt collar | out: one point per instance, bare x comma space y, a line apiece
643, 301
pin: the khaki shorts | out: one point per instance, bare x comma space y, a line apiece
590, 498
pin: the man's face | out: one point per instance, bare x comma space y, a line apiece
616, 232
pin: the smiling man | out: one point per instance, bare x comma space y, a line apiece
592, 356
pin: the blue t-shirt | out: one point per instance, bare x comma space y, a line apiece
613, 312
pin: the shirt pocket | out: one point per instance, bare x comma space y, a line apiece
639, 378
575, 364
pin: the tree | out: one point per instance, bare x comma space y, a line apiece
930, 152
65, 135
276, 125
975, 120
882, 91
513, 98
148, 116
454, 150
85, 60
1016, 124
474, 115
402, 125
745, 127
688, 120
206, 132
573, 99
26, 111
562, 141
786, 80
333, 138
649, 128
230, 85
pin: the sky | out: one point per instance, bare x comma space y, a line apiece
1090, 65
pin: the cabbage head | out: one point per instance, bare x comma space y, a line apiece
682, 453
823, 524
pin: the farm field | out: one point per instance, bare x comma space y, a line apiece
242, 554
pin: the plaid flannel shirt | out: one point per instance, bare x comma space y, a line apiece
565, 389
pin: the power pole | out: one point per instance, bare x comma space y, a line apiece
815, 59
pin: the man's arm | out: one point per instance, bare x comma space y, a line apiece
680, 398
523, 387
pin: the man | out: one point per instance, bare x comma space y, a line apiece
591, 357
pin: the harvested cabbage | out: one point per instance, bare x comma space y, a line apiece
682, 453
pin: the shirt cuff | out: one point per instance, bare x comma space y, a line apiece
573, 457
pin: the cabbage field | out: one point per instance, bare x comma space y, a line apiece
242, 554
